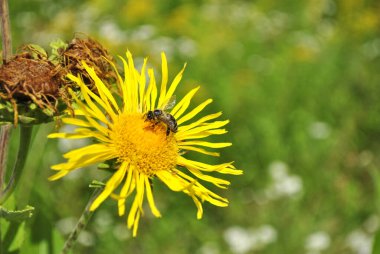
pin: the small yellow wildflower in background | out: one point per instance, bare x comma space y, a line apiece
144, 148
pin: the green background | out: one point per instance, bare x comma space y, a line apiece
300, 82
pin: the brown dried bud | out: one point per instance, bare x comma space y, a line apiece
34, 84
91, 52
25, 80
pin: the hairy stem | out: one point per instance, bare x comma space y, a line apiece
5, 131
25, 137
81, 224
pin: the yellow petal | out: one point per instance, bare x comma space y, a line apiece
136, 225
86, 111
164, 80
88, 95
58, 175
140, 184
119, 79
172, 180
194, 112
104, 93
206, 144
153, 90
180, 136
132, 212
201, 129
111, 185
132, 83
83, 161
199, 150
80, 133
199, 122
136, 208
76, 121
89, 133
214, 180
68, 135
142, 86
88, 114
150, 198
199, 207
225, 168
174, 84
181, 106
200, 191
87, 150
124, 190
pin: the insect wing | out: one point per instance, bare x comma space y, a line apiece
170, 103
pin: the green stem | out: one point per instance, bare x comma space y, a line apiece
5, 131
81, 224
25, 137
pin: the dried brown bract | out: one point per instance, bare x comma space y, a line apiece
91, 52
25, 80
33, 84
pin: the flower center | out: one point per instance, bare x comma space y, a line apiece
144, 144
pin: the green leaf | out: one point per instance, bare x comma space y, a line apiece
97, 184
108, 165
376, 243
58, 44
57, 47
19, 237
103, 166
16, 215
51, 243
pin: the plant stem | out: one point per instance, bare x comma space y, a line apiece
7, 53
81, 224
6, 30
25, 137
5, 131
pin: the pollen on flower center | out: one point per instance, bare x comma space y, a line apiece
144, 144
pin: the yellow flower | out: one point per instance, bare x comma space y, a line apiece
143, 147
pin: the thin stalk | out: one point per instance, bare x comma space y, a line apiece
5, 30
5, 130
25, 137
81, 224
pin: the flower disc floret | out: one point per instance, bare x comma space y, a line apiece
144, 144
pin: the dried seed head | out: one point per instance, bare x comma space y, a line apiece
91, 52
33, 83
29, 78
25, 78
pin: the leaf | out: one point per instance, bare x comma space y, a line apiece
17, 215
51, 243
108, 165
19, 236
376, 243
97, 184
103, 166
56, 51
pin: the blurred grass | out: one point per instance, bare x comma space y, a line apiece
299, 82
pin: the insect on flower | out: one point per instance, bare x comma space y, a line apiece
160, 115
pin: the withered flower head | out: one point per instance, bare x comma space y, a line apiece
33, 85
29, 87
91, 52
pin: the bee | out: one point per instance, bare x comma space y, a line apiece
160, 115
